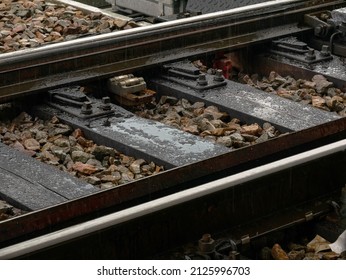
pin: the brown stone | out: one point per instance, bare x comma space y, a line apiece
18, 146
193, 129
330, 256
318, 102
19, 27
109, 178
31, 144
278, 253
135, 166
54, 120
296, 255
77, 133
322, 84
93, 180
253, 129
308, 84
120, 23
84, 168
84, 142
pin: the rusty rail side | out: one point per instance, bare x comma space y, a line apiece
296, 187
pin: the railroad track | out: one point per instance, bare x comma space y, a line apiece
129, 50
147, 229
301, 163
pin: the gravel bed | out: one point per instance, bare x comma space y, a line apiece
7, 211
59, 145
206, 121
32, 23
316, 249
300, 247
318, 92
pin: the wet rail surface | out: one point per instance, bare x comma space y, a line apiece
304, 129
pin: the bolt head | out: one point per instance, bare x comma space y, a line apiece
86, 108
202, 80
219, 76
106, 100
325, 50
206, 244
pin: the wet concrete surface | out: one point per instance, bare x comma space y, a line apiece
30, 185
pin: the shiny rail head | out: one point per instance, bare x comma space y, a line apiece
156, 27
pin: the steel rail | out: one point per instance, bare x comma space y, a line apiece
33, 70
160, 204
134, 31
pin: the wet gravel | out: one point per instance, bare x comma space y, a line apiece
312, 248
57, 144
8, 211
315, 249
29, 24
317, 92
206, 121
